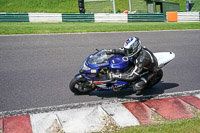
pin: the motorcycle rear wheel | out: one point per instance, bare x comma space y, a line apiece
79, 87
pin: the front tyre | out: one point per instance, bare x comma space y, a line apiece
79, 87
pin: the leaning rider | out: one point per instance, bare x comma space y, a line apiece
144, 64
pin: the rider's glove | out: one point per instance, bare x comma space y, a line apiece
114, 76
108, 51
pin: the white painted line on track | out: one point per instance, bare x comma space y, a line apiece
50, 34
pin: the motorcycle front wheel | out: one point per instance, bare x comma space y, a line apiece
79, 87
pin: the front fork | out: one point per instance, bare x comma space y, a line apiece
88, 83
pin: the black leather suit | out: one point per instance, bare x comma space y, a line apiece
144, 66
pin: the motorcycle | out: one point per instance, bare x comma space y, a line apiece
96, 67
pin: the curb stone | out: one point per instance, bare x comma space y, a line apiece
104, 116
117, 111
95, 103
1, 125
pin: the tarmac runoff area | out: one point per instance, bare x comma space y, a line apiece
101, 116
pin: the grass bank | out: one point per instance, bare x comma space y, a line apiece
179, 126
70, 27
71, 6
196, 6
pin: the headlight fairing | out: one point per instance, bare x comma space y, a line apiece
84, 67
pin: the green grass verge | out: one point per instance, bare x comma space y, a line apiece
70, 27
196, 6
49, 6
71, 6
179, 126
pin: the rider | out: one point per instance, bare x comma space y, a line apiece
144, 64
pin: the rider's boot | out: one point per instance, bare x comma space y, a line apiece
139, 86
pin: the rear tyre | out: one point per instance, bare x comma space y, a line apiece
156, 78
79, 87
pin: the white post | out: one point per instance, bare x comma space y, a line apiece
114, 11
130, 6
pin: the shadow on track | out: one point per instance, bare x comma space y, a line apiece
129, 93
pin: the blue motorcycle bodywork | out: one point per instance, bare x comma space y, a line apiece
95, 63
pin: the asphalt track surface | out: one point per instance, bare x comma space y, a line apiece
35, 70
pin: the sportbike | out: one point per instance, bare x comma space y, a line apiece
96, 68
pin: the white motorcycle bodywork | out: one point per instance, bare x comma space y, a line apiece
164, 58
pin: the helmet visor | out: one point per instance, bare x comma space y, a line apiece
128, 51
131, 51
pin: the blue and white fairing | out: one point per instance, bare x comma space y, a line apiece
93, 63
117, 63
99, 60
96, 61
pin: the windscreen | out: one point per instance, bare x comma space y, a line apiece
98, 58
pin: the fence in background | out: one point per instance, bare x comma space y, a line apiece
106, 17
146, 17
188, 16
99, 17
183, 16
14, 17
77, 17
45, 17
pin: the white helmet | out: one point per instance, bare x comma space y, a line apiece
132, 46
